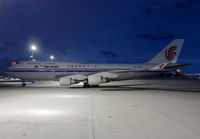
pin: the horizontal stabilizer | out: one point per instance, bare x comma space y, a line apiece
178, 66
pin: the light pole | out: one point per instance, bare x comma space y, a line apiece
51, 57
33, 49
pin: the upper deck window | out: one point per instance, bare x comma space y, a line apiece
50, 63
54, 66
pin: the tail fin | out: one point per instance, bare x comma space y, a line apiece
170, 53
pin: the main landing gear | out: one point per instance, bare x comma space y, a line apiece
86, 86
89, 86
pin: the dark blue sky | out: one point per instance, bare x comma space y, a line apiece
102, 31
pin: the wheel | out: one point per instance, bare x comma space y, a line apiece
23, 84
86, 86
95, 85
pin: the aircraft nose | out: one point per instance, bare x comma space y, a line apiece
5, 73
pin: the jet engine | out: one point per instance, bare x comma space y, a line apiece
96, 80
66, 81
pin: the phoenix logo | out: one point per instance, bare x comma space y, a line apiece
170, 53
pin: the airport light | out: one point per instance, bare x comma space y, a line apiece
33, 49
51, 57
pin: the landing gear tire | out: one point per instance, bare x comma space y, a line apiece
95, 86
86, 86
23, 84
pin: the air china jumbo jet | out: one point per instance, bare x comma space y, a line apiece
95, 74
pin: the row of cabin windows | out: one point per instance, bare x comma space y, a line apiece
51, 66
74, 66
81, 66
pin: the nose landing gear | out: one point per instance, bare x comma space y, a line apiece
23, 84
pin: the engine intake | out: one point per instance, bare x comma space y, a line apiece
96, 80
66, 81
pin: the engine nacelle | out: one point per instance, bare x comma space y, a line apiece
65, 81
96, 80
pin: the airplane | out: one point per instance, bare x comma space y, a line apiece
96, 74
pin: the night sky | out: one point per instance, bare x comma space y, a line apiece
98, 31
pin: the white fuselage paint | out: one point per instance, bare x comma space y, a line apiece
55, 70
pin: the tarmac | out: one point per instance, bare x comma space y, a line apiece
140, 109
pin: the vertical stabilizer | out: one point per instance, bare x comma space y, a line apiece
170, 53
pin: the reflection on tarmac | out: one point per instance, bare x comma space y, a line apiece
119, 110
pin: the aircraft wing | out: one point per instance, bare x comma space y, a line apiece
115, 73
97, 78
153, 68
78, 77
157, 67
